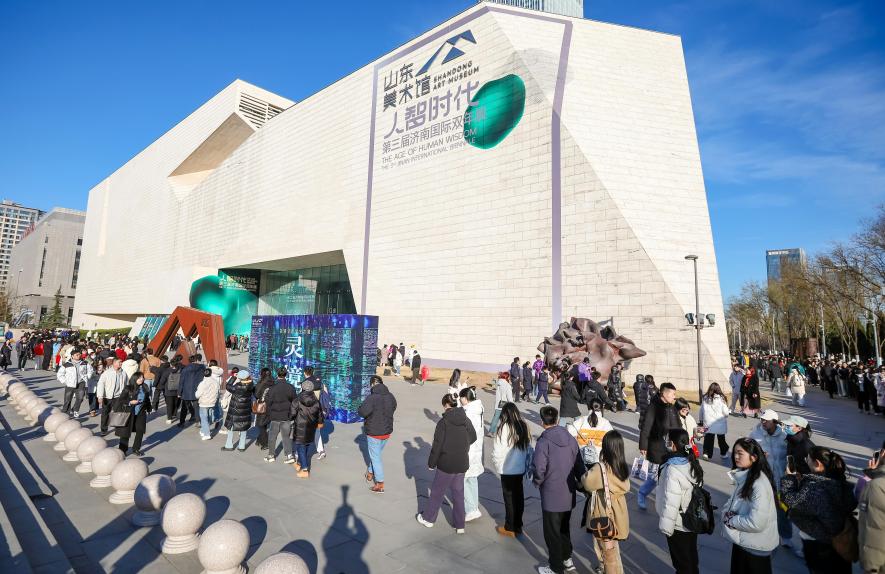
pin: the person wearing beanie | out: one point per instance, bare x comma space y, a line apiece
239, 409
307, 416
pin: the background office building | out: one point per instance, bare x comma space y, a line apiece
777, 259
15, 219
45, 260
501, 173
573, 8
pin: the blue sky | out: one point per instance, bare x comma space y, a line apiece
789, 96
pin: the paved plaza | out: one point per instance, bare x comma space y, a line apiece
335, 523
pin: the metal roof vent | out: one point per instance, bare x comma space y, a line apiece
257, 111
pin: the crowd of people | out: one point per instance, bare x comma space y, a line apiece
787, 491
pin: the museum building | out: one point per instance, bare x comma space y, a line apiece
503, 172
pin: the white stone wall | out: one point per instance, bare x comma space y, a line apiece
460, 252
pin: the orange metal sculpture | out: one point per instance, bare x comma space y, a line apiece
193, 322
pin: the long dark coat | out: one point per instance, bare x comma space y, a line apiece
306, 416
239, 411
137, 424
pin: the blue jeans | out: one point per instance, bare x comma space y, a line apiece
542, 392
648, 486
230, 440
471, 494
496, 418
376, 466
204, 420
304, 452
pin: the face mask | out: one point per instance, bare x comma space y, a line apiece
789, 431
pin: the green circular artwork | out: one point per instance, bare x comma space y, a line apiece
494, 111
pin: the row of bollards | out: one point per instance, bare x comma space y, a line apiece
221, 548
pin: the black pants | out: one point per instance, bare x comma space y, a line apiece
708, 444
261, 441
171, 407
187, 407
105, 414
863, 400
515, 386
684, 552
138, 423
70, 393
22, 359
558, 538
155, 401
822, 558
514, 501
742, 562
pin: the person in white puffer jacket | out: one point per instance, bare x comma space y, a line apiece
714, 414
207, 395
474, 409
749, 518
680, 472
511, 456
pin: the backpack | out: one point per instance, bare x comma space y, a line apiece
325, 403
173, 381
698, 515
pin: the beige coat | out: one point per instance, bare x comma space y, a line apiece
592, 482
871, 523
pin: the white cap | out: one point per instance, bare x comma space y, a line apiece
769, 415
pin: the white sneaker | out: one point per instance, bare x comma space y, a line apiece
321, 456
222, 431
545, 570
706, 457
459, 531
472, 515
568, 564
205, 437
423, 522
169, 421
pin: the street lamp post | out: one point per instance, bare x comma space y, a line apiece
823, 332
698, 325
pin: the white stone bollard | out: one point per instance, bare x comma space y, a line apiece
15, 392
283, 563
151, 494
34, 409
44, 415
52, 424
182, 517
223, 547
87, 451
62, 432
72, 442
124, 478
103, 464
24, 400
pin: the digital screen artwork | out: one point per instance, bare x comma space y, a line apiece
342, 349
233, 294
151, 326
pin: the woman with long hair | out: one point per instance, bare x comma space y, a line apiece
503, 395
749, 518
473, 407
819, 503
136, 399
679, 474
613, 472
590, 430
714, 414
750, 400
511, 455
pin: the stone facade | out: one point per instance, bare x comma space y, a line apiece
473, 253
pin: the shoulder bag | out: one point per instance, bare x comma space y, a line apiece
601, 524
260, 407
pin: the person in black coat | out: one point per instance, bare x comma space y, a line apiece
262, 421
170, 387
377, 411
307, 417
136, 398
594, 391
160, 378
239, 410
661, 416
191, 377
528, 376
515, 378
569, 400
279, 401
449, 456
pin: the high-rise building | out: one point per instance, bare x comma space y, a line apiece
47, 261
574, 8
15, 220
777, 259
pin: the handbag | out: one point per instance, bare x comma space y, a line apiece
119, 419
260, 407
845, 543
601, 524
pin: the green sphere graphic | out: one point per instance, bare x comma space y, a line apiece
494, 111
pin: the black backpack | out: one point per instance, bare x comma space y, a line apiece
173, 381
698, 515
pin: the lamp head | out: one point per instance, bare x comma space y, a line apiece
691, 257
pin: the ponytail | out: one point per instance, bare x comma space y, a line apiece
834, 465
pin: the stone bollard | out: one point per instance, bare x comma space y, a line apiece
223, 547
24, 400
62, 432
44, 415
151, 494
182, 517
52, 424
87, 451
15, 391
103, 464
35, 409
283, 563
124, 478
72, 441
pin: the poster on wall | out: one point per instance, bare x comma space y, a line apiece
151, 326
342, 349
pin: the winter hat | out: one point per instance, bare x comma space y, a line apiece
796, 420
307, 386
769, 415
243, 375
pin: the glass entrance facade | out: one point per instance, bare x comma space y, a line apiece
310, 291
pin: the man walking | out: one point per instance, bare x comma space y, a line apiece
554, 469
416, 369
661, 416
74, 374
735, 379
110, 386
191, 377
377, 410
279, 402
515, 378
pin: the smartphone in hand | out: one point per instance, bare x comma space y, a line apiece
791, 464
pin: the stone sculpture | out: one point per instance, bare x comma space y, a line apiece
182, 517
580, 338
62, 432
151, 494
87, 451
283, 563
72, 442
52, 423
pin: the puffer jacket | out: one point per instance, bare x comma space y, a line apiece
817, 505
451, 442
508, 459
796, 383
307, 415
871, 522
673, 493
190, 378
754, 526
209, 387
377, 410
659, 419
474, 412
279, 401
239, 411
775, 448
503, 392
715, 415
